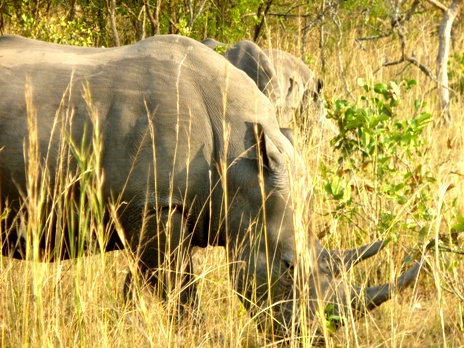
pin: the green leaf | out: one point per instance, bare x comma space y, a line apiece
386, 111
460, 218
423, 117
347, 193
418, 104
395, 102
380, 88
353, 124
328, 188
457, 228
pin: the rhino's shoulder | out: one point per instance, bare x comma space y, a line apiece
8, 40
212, 43
249, 46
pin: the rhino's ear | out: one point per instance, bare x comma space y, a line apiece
267, 152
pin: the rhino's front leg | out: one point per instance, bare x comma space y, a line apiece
161, 248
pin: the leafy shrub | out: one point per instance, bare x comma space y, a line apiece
381, 179
53, 29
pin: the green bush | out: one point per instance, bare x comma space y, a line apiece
381, 178
56, 28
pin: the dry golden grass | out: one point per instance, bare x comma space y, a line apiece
79, 303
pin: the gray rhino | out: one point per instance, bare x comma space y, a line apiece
249, 57
290, 85
299, 85
187, 152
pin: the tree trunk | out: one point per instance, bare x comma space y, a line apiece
140, 24
72, 11
112, 10
444, 34
153, 17
194, 16
261, 14
1, 18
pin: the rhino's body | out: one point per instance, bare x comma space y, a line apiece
290, 85
190, 147
249, 57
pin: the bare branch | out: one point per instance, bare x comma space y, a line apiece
415, 62
422, 67
374, 37
336, 20
111, 11
444, 34
433, 244
438, 5
194, 17
319, 18
261, 15
153, 16
321, 15
290, 15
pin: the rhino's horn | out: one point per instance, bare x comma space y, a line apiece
376, 295
348, 258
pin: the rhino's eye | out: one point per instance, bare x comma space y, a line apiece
289, 273
288, 265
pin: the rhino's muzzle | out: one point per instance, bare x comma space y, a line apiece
325, 292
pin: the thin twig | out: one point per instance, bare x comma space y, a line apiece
421, 66
432, 245
336, 21
194, 17
321, 15
438, 5
374, 37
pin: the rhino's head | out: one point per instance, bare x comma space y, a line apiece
301, 91
281, 278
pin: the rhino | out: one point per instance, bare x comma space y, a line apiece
290, 85
299, 85
186, 152
249, 57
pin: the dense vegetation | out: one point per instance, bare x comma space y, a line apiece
391, 171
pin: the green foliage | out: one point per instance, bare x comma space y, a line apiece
382, 172
332, 321
56, 29
456, 72
458, 227
221, 49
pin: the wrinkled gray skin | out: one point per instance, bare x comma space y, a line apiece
249, 57
186, 172
290, 85
300, 88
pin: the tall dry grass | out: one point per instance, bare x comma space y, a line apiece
79, 302
431, 313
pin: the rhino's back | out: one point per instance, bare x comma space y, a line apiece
170, 82
249, 57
